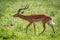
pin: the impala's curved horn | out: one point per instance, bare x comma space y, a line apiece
26, 7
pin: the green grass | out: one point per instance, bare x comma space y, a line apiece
17, 32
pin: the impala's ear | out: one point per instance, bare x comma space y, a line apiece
21, 12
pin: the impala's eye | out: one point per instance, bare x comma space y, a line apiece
22, 12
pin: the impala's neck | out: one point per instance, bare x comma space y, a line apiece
22, 16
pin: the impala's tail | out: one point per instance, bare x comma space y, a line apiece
51, 24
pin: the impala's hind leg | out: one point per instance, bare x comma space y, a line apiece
43, 27
51, 24
34, 28
53, 29
28, 26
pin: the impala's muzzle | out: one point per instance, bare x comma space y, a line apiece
14, 15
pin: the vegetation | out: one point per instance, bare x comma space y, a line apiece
15, 29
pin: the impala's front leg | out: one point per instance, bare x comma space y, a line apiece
28, 26
34, 28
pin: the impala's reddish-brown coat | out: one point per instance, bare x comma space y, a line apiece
34, 18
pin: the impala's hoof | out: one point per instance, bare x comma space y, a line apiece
40, 33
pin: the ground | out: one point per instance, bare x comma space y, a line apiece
15, 29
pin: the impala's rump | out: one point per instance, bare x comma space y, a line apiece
51, 23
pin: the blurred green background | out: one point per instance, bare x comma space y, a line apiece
15, 30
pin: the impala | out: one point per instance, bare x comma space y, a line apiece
35, 18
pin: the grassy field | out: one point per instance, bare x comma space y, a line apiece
17, 31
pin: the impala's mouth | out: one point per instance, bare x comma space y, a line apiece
13, 15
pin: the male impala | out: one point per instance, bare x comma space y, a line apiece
35, 18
